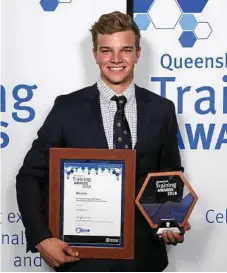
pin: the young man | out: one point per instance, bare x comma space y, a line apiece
89, 118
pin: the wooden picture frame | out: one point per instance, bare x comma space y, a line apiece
128, 157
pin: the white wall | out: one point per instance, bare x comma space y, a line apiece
204, 248
53, 51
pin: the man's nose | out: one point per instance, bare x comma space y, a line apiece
116, 57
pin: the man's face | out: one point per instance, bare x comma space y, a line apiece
116, 56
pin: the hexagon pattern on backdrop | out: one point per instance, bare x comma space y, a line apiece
165, 14
203, 30
187, 39
192, 6
142, 6
49, 5
142, 20
65, 1
188, 22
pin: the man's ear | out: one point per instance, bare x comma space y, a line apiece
138, 52
95, 55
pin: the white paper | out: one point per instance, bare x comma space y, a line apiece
92, 200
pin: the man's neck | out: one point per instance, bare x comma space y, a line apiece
118, 88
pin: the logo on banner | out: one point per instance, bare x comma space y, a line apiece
51, 5
167, 14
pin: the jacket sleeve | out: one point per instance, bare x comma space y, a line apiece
170, 156
33, 179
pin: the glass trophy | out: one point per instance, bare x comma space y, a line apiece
166, 200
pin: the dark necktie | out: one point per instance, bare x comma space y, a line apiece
121, 133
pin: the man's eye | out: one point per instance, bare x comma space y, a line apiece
127, 50
105, 51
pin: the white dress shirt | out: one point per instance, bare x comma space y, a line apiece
109, 108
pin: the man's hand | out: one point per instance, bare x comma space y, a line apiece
171, 238
56, 252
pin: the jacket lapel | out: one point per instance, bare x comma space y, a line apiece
94, 119
95, 123
144, 118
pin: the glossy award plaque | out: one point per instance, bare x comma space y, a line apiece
166, 200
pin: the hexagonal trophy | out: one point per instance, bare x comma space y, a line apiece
166, 200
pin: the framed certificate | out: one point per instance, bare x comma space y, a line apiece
92, 200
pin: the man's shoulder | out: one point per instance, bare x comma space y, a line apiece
158, 100
79, 95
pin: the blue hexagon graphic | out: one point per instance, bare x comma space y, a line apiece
187, 39
188, 22
49, 5
141, 6
142, 21
192, 6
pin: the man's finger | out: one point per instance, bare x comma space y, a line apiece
56, 264
171, 237
70, 259
44, 256
187, 226
179, 238
71, 251
48, 260
53, 261
165, 237
176, 236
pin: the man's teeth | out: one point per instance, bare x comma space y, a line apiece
116, 68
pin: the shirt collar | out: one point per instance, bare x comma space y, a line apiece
107, 93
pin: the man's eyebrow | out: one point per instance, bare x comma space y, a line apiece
128, 47
124, 47
104, 47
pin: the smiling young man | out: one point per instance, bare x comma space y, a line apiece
90, 118
116, 54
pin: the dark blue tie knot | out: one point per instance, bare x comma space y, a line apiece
120, 100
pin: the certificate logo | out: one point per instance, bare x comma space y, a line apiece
82, 230
112, 240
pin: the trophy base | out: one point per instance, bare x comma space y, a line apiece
169, 225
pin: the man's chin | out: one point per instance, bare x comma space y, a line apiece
117, 81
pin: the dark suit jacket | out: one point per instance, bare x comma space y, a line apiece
75, 121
